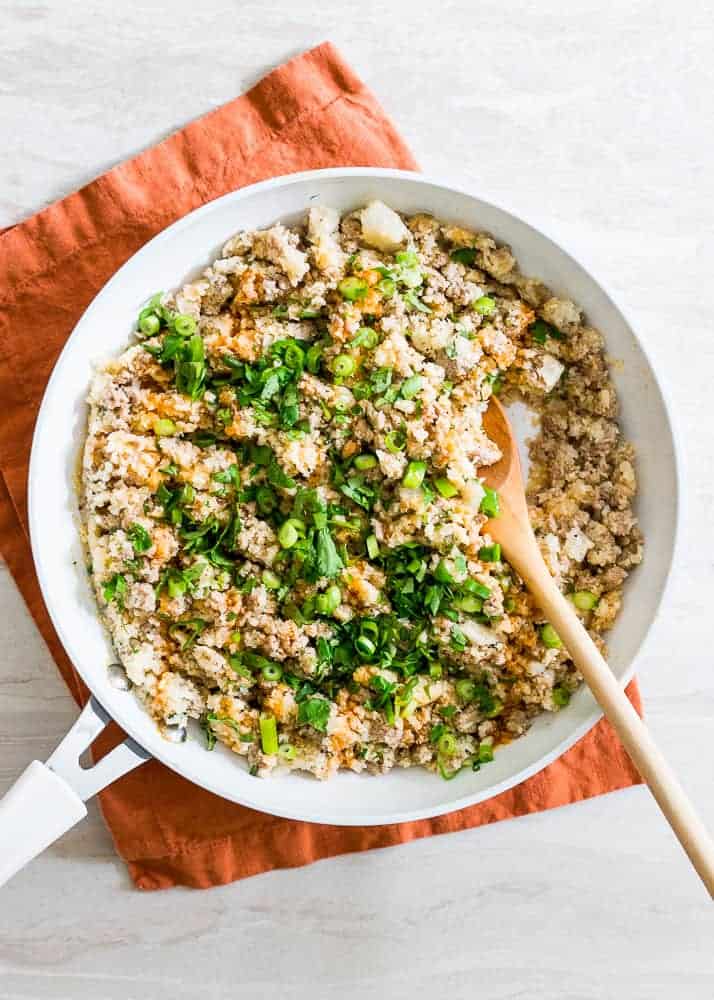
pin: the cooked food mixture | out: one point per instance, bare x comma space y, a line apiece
287, 530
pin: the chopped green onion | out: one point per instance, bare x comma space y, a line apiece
490, 553
466, 689
435, 670
185, 326
494, 708
490, 505
447, 743
288, 535
560, 695
485, 753
235, 638
477, 588
411, 386
372, 546
328, 602
410, 258
239, 667
363, 462
446, 488
268, 734
387, 286
412, 299
442, 573
353, 288
414, 476
485, 305
312, 358
364, 645
365, 337
447, 775
294, 357
176, 586
272, 672
321, 604
584, 600
369, 627
270, 580
164, 428
287, 751
343, 365
550, 637
471, 605
395, 441
149, 324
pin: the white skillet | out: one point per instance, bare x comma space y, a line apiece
49, 798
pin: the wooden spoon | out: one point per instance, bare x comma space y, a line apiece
512, 530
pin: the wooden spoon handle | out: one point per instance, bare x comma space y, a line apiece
523, 553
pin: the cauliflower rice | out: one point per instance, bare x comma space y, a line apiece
287, 531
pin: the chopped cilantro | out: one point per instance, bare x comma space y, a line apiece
139, 538
464, 255
314, 712
540, 331
114, 590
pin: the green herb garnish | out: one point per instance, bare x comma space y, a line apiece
139, 538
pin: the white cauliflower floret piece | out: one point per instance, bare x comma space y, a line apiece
301, 457
431, 338
212, 664
277, 246
188, 300
550, 371
144, 660
479, 635
397, 353
177, 698
382, 228
472, 493
577, 544
322, 223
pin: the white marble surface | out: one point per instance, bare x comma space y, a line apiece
596, 120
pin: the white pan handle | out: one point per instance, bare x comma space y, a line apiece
38, 809
48, 799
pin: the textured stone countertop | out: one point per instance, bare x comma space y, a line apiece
595, 120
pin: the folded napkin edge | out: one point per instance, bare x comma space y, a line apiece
324, 80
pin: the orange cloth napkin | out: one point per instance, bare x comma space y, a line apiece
312, 112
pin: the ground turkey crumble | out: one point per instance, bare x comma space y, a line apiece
287, 531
